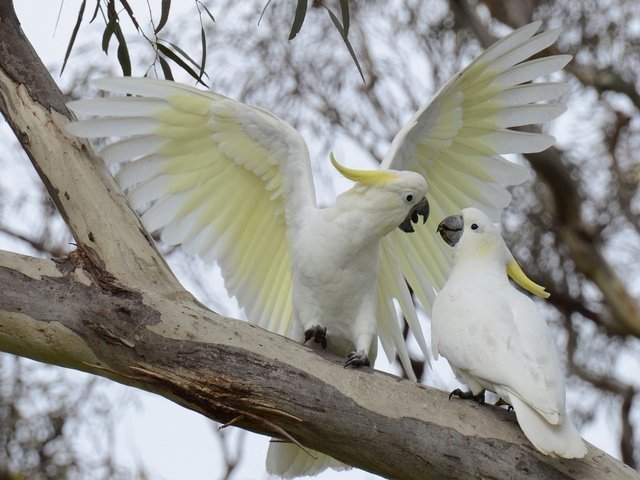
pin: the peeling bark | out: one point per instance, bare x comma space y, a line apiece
232, 371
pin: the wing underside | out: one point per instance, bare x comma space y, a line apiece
220, 178
456, 142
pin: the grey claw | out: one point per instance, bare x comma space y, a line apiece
318, 333
468, 396
356, 359
501, 403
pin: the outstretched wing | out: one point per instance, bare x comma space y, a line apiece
456, 142
221, 178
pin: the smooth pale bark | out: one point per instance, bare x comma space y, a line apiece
114, 309
232, 371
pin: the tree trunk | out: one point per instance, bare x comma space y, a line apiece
113, 308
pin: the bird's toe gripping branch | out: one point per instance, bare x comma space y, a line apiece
318, 333
357, 359
468, 396
502, 403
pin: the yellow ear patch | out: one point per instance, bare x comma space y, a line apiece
365, 177
518, 276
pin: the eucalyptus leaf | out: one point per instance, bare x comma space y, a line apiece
298, 20
123, 52
206, 10
129, 11
166, 68
344, 8
164, 14
171, 55
74, 34
346, 41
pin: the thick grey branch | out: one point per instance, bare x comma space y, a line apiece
228, 369
77, 181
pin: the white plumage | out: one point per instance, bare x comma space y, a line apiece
494, 338
232, 183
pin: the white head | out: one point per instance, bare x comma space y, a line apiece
391, 198
474, 235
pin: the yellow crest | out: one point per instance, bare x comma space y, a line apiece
365, 177
516, 273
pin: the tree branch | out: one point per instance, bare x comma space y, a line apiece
77, 181
227, 369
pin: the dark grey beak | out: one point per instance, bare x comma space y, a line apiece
420, 208
450, 229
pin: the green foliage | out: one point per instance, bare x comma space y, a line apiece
113, 11
74, 34
343, 28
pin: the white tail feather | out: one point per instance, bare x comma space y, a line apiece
561, 440
289, 461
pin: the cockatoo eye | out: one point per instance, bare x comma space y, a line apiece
408, 198
474, 226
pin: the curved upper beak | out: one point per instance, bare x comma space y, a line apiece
450, 229
420, 208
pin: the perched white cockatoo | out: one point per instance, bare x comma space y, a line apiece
495, 339
233, 183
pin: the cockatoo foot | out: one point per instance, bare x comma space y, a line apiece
501, 403
356, 359
318, 333
468, 396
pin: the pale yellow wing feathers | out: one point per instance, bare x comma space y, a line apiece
216, 176
389, 330
457, 142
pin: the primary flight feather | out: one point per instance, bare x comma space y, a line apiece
494, 338
232, 183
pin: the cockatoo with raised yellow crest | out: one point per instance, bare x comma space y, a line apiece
232, 183
495, 339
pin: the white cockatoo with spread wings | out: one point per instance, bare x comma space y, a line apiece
232, 183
